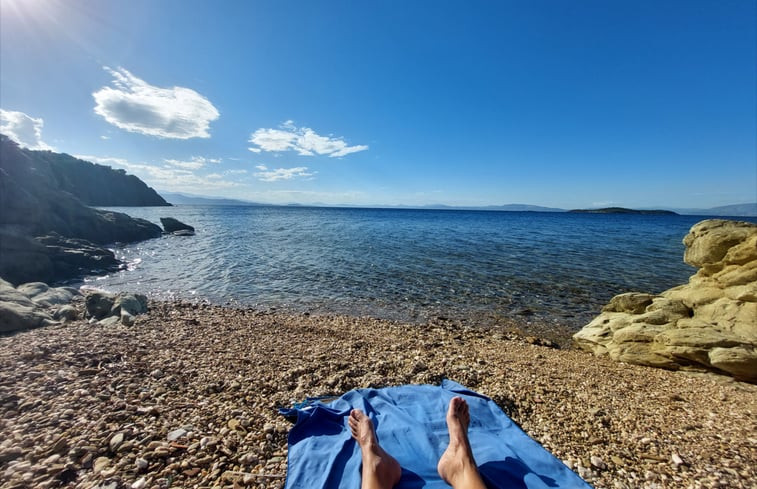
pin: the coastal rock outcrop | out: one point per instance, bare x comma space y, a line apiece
51, 258
36, 202
708, 324
33, 305
174, 226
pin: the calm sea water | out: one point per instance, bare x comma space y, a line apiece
411, 265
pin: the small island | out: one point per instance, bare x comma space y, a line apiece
623, 210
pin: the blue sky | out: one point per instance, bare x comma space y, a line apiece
557, 103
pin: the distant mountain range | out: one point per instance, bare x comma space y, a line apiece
506, 207
177, 198
735, 210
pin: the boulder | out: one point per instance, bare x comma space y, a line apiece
15, 317
708, 324
43, 295
174, 226
8, 293
133, 304
99, 304
66, 313
18, 311
71, 256
112, 308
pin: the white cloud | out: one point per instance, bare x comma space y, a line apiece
217, 176
194, 163
303, 140
166, 177
136, 106
276, 174
309, 196
24, 129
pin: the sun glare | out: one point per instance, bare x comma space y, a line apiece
27, 10
16, 7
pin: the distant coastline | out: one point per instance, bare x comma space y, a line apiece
623, 210
734, 210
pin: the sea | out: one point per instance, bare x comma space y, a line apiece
487, 268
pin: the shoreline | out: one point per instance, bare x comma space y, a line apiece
188, 396
541, 328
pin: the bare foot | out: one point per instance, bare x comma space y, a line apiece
457, 466
380, 470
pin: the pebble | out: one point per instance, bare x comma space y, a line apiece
176, 434
100, 464
116, 441
190, 394
598, 462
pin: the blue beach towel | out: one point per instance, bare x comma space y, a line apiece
411, 425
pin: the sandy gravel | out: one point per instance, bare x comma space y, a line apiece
187, 397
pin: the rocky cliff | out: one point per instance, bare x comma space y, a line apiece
94, 185
708, 324
46, 232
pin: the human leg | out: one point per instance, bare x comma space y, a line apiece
380, 470
457, 466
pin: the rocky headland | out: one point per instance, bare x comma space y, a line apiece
708, 324
48, 231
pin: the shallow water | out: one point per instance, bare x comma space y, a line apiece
409, 265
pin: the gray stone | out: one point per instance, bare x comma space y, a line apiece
123, 307
133, 304
54, 296
176, 434
66, 313
15, 317
172, 225
115, 441
8, 293
32, 289
109, 321
99, 304
126, 318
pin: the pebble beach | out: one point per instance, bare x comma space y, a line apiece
188, 395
